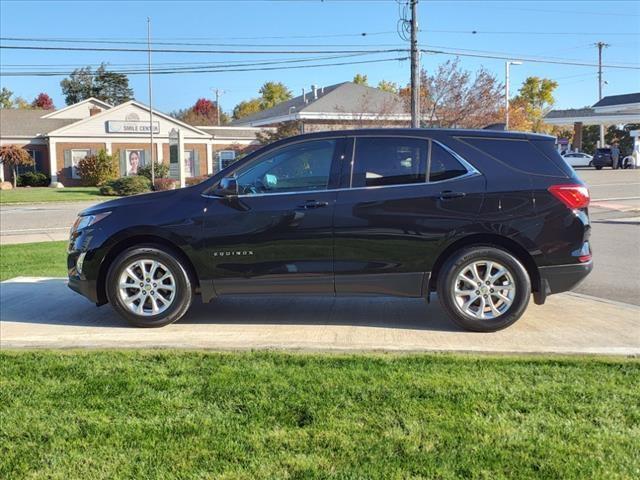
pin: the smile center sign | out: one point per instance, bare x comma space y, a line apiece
118, 126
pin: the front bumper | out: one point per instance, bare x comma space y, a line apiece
561, 278
86, 288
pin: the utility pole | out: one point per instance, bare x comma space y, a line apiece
600, 46
153, 165
218, 92
507, 64
415, 67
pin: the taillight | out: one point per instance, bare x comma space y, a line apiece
573, 196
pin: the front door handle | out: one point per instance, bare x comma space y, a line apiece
448, 195
311, 204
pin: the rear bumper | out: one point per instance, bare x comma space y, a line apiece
560, 278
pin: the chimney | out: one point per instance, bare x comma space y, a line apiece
315, 92
94, 111
304, 96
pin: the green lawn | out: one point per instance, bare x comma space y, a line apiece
46, 259
45, 195
160, 414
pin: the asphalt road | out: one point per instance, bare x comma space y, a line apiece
615, 213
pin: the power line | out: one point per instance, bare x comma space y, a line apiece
173, 71
164, 50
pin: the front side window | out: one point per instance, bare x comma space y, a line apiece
389, 161
444, 165
76, 156
299, 167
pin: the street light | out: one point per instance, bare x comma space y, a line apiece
506, 90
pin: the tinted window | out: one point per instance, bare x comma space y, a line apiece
389, 161
443, 165
303, 166
519, 154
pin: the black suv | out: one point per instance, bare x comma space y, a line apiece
602, 158
483, 218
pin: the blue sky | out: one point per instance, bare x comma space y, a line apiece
533, 28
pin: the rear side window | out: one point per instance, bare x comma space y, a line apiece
389, 161
518, 154
443, 165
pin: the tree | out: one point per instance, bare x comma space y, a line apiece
246, 108
284, 130
453, 97
536, 97
83, 83
391, 87
14, 156
21, 104
96, 170
43, 102
5, 98
203, 112
111, 87
360, 79
273, 93
79, 86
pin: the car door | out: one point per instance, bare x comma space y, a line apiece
276, 234
401, 199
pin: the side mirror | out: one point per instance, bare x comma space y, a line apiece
228, 187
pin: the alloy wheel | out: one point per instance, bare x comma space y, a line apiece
147, 287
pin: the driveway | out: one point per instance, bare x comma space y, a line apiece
568, 323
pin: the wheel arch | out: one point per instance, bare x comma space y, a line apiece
491, 240
139, 240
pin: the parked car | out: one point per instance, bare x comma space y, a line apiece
602, 158
483, 218
578, 159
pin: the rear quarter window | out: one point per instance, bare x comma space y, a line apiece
518, 154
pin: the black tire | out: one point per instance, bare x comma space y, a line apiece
599, 167
463, 258
183, 293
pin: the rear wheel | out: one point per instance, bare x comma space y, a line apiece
598, 167
484, 288
149, 287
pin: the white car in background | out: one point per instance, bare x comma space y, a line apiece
578, 159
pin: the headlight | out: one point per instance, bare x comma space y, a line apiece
88, 220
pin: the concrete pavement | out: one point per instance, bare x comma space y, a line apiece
44, 313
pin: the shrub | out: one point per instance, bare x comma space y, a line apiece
195, 180
126, 186
161, 170
95, 170
164, 184
33, 179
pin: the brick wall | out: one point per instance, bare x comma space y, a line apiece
63, 175
120, 147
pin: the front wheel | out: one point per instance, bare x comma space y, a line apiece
149, 287
599, 167
484, 289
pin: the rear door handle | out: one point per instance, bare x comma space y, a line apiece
311, 204
448, 194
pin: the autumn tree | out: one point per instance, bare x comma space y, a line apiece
271, 93
203, 112
453, 97
14, 156
5, 98
360, 79
386, 86
536, 98
43, 102
284, 130
83, 83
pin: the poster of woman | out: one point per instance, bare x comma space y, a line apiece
135, 159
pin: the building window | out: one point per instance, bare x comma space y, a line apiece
76, 156
135, 159
189, 163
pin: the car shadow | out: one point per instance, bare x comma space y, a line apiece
51, 302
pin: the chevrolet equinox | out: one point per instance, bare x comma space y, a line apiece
483, 218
